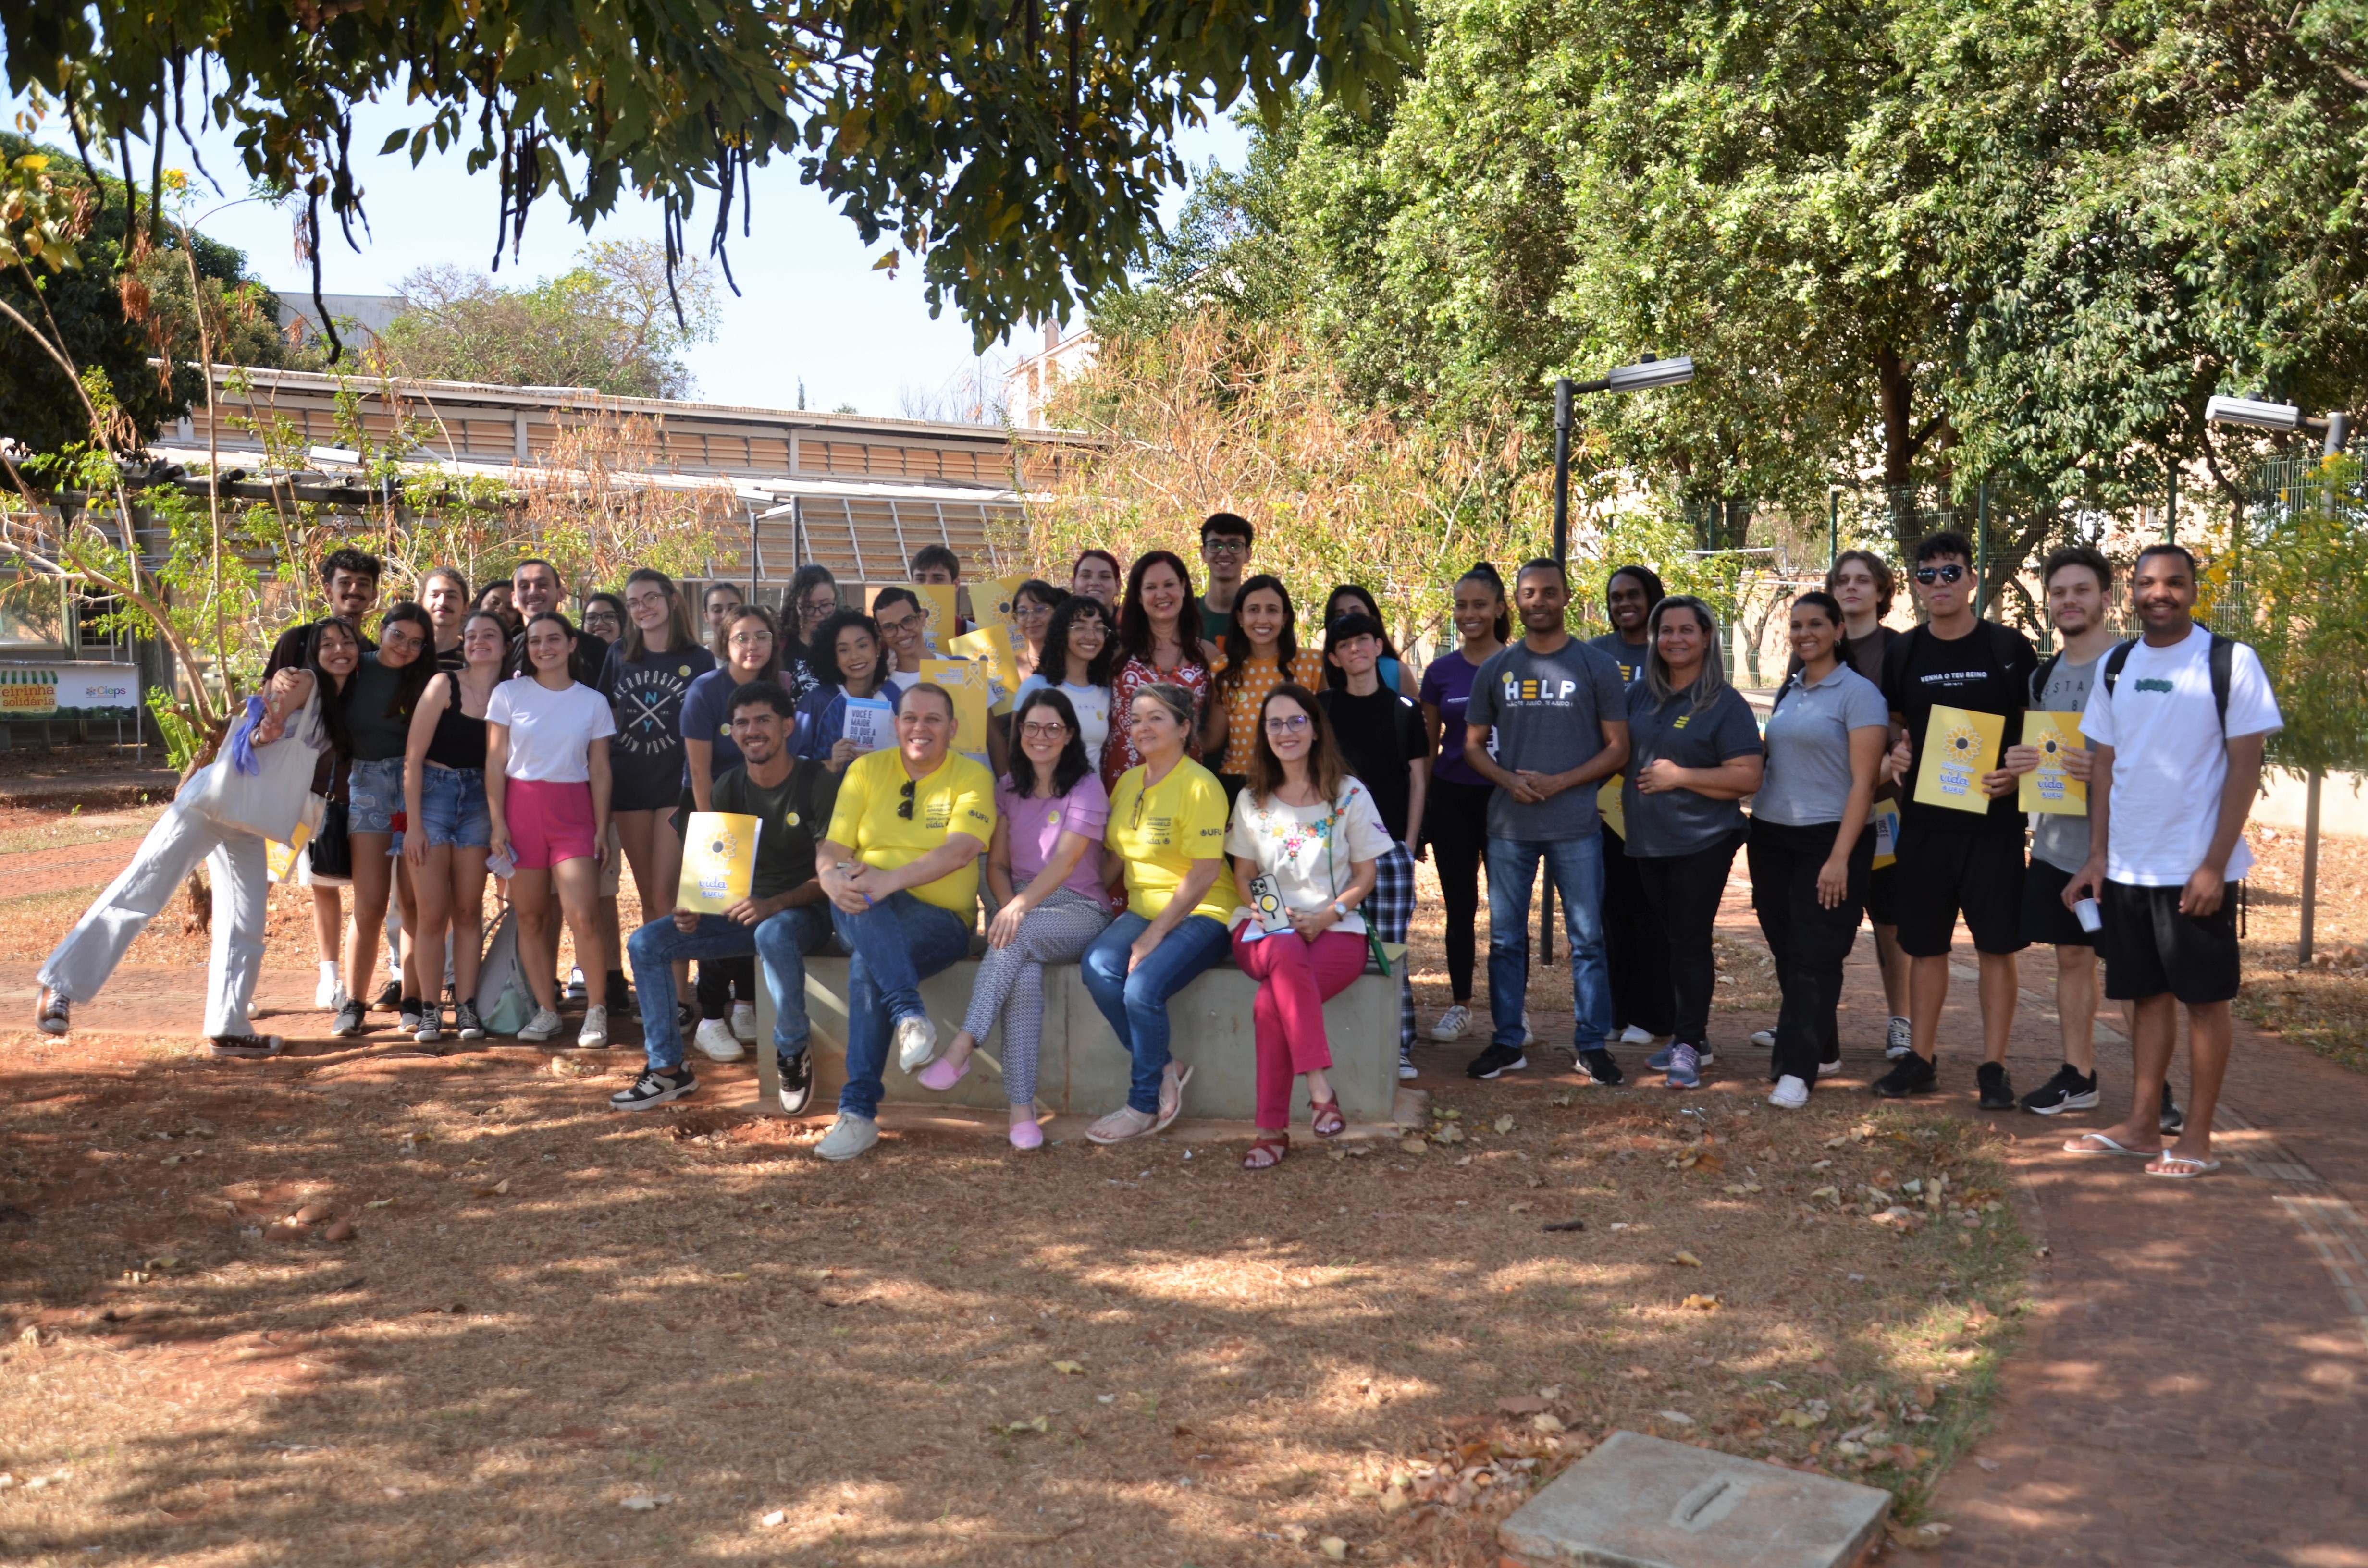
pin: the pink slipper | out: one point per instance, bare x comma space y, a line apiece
936, 1075
1027, 1135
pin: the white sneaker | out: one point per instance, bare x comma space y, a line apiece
848, 1136
744, 1021
329, 994
1632, 1035
718, 1042
916, 1041
1790, 1093
1828, 1069
541, 1027
575, 991
1452, 1023
1896, 1040
1764, 1038
594, 1035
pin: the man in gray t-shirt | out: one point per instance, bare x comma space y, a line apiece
1558, 712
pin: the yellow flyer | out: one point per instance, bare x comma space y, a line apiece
968, 684
1885, 820
998, 593
718, 861
991, 643
1960, 745
1607, 801
2048, 788
937, 615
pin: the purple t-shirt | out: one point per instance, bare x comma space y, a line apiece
1446, 686
1037, 826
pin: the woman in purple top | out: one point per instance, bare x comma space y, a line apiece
1455, 819
1044, 868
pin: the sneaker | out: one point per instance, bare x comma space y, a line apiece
916, 1041
1600, 1067
2173, 1119
575, 988
388, 997
716, 1042
797, 1082
1632, 1035
1406, 1069
1659, 1060
686, 1017
848, 1136
1911, 1075
1683, 1061
2070, 1089
465, 1022
541, 1027
744, 1021
1896, 1040
1790, 1093
594, 1035
245, 1045
1764, 1038
49, 1018
431, 1025
349, 1020
1828, 1069
330, 993
654, 1089
1452, 1023
406, 1015
1495, 1062
1997, 1088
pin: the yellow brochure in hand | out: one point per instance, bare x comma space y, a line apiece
991, 646
1885, 821
718, 861
1960, 745
2048, 788
1607, 801
967, 682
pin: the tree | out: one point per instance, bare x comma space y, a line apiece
606, 323
1018, 150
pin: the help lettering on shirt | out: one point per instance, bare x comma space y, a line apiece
1558, 692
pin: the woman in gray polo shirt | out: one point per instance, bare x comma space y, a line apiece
1810, 854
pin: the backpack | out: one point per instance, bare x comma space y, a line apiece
2222, 660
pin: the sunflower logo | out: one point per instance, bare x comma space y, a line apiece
723, 845
1963, 744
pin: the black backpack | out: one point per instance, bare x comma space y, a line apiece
2222, 659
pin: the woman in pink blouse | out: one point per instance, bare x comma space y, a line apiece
1158, 639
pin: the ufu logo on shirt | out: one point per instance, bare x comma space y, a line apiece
1519, 690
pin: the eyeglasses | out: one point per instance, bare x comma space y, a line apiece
1224, 547
890, 628
1052, 731
906, 809
1927, 575
1277, 724
760, 641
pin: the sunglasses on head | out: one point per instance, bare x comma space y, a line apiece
1927, 575
904, 809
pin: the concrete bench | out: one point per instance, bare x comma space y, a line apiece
1081, 1068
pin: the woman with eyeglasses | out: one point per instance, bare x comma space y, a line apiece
813, 599
1159, 643
1312, 835
1261, 652
378, 703
448, 832
849, 664
604, 617
1079, 653
1044, 866
1033, 604
1167, 840
1096, 575
1350, 599
727, 987
1694, 756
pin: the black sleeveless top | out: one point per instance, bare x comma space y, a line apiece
459, 741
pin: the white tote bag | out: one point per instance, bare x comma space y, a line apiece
276, 802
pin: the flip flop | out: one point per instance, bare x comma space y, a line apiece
2081, 1146
1168, 1113
2193, 1167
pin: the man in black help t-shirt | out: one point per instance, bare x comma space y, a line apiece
1381, 737
1952, 860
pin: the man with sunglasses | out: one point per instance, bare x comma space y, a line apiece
900, 868
1952, 861
1225, 551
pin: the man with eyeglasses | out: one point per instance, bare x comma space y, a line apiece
900, 867
1952, 861
898, 614
1225, 551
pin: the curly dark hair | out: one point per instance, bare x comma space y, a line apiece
822, 653
1054, 666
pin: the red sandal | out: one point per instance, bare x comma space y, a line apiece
1327, 1120
1267, 1151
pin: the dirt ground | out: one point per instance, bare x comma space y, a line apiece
555, 1334
2324, 1006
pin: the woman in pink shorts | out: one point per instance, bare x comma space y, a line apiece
547, 792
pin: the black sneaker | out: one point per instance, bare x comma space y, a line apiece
1911, 1075
407, 1014
1599, 1065
1495, 1062
2173, 1119
1997, 1088
389, 996
620, 994
653, 1089
465, 1022
686, 1018
245, 1045
2070, 1089
797, 1082
349, 1020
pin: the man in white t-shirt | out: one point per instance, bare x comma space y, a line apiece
2178, 761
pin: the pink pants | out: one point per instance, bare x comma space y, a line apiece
1295, 978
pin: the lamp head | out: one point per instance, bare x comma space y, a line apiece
2252, 412
1652, 373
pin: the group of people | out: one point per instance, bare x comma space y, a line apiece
1178, 780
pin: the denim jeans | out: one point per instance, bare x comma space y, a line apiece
1136, 1004
894, 946
1575, 865
783, 940
452, 807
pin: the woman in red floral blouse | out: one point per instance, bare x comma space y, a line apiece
1158, 639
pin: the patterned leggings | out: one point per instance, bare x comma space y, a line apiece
1392, 907
1011, 982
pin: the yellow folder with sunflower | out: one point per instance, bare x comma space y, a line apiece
2048, 788
718, 861
1960, 745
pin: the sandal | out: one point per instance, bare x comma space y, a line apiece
2099, 1143
2180, 1167
1119, 1125
1326, 1118
1267, 1151
1171, 1095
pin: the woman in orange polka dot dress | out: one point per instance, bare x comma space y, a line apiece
1261, 652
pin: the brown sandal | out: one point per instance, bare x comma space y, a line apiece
1267, 1151
1327, 1120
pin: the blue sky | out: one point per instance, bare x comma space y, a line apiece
810, 306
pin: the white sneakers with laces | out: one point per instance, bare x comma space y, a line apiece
716, 1042
1790, 1093
594, 1035
744, 1021
1452, 1023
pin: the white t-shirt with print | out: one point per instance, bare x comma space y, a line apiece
1291, 844
2168, 757
550, 731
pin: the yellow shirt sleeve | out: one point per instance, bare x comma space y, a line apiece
855, 790
972, 802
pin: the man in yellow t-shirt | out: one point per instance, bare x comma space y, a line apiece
900, 867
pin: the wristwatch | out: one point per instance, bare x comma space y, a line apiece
1339, 910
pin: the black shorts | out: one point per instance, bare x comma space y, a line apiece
2151, 947
1942, 873
2045, 921
1883, 895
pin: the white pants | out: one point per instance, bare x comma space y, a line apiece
171, 851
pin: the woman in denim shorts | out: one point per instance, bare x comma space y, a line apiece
444, 795
378, 704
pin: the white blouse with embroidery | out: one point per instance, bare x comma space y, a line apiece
1308, 850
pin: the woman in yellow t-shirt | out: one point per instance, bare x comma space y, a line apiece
1261, 652
1166, 836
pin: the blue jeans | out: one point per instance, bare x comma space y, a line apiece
1136, 1004
782, 941
452, 807
894, 945
1576, 867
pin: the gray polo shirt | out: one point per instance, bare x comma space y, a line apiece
1808, 779
2062, 841
1679, 822
1546, 711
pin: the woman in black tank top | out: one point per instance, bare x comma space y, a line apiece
449, 829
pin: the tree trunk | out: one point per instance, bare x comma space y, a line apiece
1895, 393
